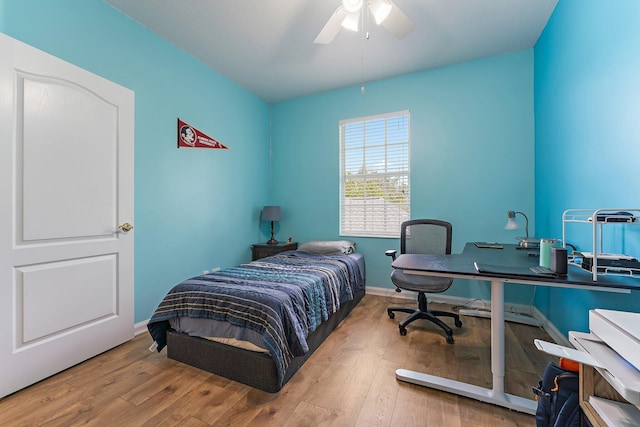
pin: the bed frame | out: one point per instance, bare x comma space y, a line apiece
248, 367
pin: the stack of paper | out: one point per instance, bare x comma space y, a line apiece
620, 330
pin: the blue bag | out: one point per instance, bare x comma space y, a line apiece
557, 396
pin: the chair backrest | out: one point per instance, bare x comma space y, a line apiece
425, 236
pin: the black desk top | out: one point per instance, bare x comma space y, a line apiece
462, 265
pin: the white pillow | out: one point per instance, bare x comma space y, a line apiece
328, 247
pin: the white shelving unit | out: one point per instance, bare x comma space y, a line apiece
609, 380
621, 376
598, 218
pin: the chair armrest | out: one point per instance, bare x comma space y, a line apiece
391, 253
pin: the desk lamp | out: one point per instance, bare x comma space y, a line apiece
271, 213
512, 224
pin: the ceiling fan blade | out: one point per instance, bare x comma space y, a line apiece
398, 23
331, 28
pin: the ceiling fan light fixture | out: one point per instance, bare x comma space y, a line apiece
349, 14
352, 5
351, 21
380, 9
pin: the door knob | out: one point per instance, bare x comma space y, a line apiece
126, 227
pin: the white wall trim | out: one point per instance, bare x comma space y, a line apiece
516, 309
140, 328
551, 329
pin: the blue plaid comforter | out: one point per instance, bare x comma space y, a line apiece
283, 298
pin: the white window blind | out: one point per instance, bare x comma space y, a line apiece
374, 175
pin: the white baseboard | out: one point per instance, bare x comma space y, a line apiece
513, 312
525, 319
552, 330
140, 328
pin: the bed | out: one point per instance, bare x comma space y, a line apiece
257, 323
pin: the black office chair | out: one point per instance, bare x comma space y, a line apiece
423, 236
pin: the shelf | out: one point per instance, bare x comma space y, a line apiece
620, 374
609, 408
608, 216
615, 413
603, 216
609, 382
611, 271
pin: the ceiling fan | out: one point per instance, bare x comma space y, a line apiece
348, 14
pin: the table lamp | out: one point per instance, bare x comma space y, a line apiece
512, 224
271, 213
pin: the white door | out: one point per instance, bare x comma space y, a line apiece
66, 185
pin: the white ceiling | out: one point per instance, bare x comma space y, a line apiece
266, 46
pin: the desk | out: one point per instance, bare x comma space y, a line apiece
462, 266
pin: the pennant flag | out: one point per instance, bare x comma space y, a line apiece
190, 137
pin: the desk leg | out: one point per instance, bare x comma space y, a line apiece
494, 395
497, 335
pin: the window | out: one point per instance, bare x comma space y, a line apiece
374, 175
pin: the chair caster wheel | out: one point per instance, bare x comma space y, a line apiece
449, 339
391, 314
458, 323
403, 330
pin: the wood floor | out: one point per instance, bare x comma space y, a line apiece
349, 381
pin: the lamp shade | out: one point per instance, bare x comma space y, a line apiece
271, 213
512, 224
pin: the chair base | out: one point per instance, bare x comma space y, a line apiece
422, 312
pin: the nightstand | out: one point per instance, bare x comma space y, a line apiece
261, 250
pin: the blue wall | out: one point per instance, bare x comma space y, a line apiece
471, 129
472, 134
471, 154
587, 109
194, 209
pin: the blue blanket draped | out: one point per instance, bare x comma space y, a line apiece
284, 298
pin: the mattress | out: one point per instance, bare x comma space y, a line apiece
270, 305
227, 333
